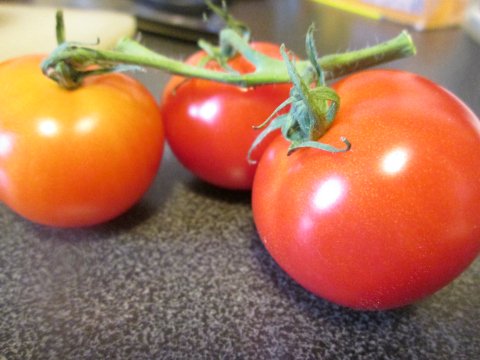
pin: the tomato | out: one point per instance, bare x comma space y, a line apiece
209, 125
392, 220
75, 158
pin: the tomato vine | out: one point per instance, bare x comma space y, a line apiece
80, 58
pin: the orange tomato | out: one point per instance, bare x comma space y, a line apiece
75, 157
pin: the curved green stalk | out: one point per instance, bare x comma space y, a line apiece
80, 59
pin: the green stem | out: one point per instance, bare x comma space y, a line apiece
79, 60
342, 64
238, 26
60, 27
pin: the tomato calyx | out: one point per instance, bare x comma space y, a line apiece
71, 62
313, 106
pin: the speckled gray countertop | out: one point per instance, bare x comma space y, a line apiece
183, 275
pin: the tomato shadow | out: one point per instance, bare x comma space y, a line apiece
145, 209
127, 221
205, 189
322, 311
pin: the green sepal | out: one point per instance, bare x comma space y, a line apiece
275, 112
313, 55
321, 146
313, 106
274, 125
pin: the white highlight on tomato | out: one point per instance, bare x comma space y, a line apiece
395, 161
329, 192
85, 125
48, 127
205, 112
6, 144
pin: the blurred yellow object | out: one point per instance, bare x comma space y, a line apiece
420, 14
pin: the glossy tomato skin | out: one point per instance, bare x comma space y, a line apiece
392, 220
75, 158
209, 125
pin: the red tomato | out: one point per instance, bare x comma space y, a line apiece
75, 158
208, 125
390, 221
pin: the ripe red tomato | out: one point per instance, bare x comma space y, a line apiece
208, 125
75, 158
390, 221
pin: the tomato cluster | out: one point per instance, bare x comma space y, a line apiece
380, 226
